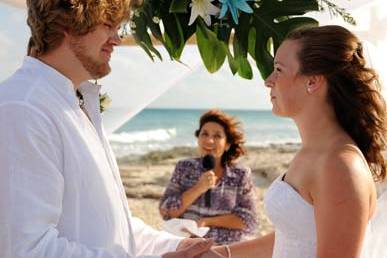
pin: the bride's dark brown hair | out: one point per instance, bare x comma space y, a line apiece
354, 90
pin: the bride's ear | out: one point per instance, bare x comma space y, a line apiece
314, 83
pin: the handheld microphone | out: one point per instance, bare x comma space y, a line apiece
208, 163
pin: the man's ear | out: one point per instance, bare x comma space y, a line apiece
315, 83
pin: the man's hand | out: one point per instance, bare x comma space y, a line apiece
187, 242
191, 249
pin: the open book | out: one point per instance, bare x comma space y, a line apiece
184, 228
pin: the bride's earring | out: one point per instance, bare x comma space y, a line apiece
308, 87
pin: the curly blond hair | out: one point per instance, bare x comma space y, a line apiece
49, 19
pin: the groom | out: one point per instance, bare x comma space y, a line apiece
60, 190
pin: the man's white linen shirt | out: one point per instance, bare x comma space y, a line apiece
61, 195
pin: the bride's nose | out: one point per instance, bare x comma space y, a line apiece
269, 81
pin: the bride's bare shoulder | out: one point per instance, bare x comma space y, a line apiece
344, 169
345, 160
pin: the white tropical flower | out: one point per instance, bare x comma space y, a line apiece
202, 8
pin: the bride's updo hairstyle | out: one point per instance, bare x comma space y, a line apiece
353, 89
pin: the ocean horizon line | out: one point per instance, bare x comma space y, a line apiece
204, 109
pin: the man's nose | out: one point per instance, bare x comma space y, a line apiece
115, 38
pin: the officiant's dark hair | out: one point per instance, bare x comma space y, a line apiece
232, 129
354, 90
50, 19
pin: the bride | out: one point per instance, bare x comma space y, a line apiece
325, 204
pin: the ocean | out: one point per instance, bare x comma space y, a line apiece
162, 129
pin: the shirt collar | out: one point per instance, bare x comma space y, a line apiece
90, 92
55, 79
89, 88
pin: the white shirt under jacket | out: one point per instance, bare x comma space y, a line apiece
61, 195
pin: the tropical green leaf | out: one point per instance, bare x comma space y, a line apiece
170, 34
241, 44
223, 32
263, 57
143, 39
252, 39
244, 69
273, 21
188, 31
179, 6
152, 25
181, 41
210, 48
233, 64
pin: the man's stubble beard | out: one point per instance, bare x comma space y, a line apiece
96, 69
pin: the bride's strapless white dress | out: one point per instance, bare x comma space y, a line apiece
293, 220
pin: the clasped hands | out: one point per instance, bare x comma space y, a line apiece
194, 248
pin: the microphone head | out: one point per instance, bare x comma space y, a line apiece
208, 162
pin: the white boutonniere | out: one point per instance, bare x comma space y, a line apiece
104, 102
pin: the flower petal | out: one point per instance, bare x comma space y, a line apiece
194, 15
207, 20
202, 8
213, 10
243, 6
233, 6
223, 11
234, 13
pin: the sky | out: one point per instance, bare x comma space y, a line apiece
136, 82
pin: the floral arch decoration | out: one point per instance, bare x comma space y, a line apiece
243, 31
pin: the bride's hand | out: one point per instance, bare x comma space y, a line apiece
212, 254
192, 251
187, 242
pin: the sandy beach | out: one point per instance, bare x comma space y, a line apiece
146, 176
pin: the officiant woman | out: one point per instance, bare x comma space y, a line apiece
222, 198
